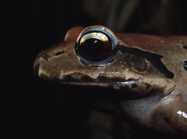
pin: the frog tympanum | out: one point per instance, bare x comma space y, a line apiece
148, 73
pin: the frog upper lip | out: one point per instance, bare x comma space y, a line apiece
45, 69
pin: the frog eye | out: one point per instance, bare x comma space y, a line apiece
96, 45
185, 64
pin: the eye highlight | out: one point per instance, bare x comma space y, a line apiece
96, 45
94, 35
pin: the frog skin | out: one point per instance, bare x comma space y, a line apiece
149, 76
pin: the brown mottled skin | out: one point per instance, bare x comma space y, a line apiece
157, 101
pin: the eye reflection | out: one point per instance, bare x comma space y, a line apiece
94, 35
94, 47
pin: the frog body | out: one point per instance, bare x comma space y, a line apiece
148, 73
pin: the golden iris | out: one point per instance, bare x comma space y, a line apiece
94, 47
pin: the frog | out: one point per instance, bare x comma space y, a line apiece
147, 73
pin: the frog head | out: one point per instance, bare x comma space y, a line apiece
147, 72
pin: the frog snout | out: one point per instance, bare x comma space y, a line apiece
171, 114
36, 67
43, 68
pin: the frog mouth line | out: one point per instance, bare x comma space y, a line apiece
139, 84
116, 85
131, 88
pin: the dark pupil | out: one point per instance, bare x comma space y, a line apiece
95, 50
185, 65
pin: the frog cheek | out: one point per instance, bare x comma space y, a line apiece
171, 114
